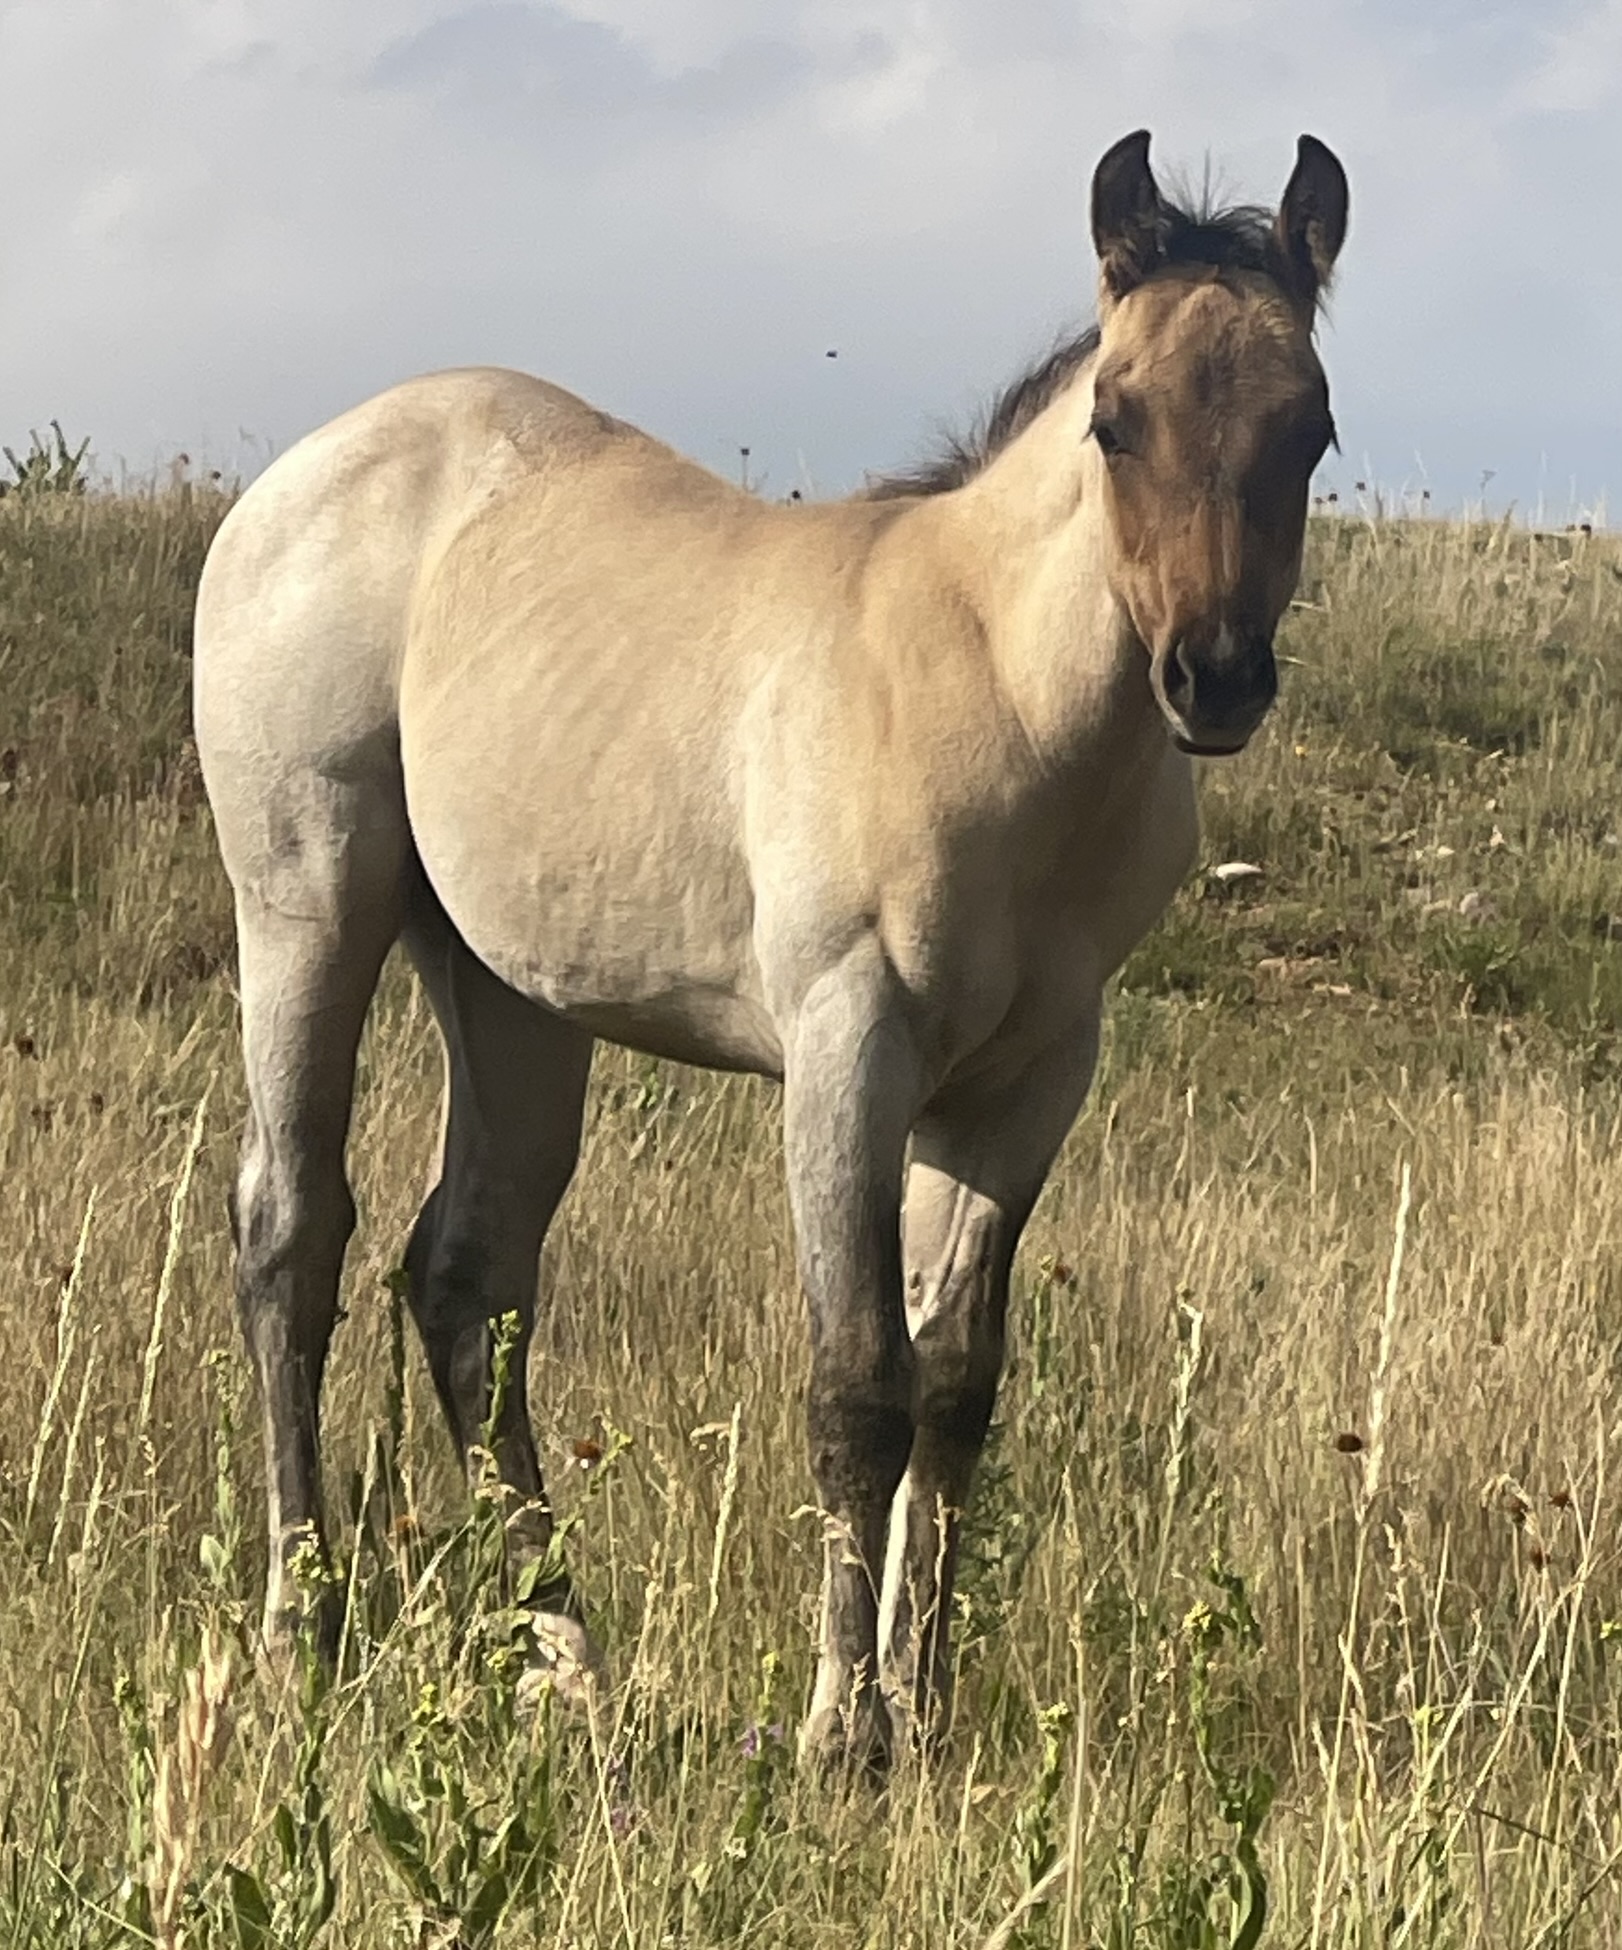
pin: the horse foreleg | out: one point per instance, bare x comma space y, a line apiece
979, 1159
851, 1079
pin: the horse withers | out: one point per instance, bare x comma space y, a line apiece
870, 796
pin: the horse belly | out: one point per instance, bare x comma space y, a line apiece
613, 987
641, 933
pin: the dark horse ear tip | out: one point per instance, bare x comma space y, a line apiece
1137, 141
1132, 149
1311, 222
1310, 150
1126, 203
1123, 167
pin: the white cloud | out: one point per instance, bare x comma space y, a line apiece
251, 212
1581, 69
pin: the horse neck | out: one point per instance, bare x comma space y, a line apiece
1067, 660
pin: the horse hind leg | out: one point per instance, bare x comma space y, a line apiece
315, 920
516, 1087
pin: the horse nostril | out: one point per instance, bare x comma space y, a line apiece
1178, 678
1217, 692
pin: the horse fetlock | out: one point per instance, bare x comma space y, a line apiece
919, 1693
850, 1736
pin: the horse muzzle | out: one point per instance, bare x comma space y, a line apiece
1214, 694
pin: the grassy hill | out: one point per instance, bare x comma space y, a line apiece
1296, 1562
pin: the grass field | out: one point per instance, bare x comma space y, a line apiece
1295, 1596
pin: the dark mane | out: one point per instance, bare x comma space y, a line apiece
1238, 238
963, 455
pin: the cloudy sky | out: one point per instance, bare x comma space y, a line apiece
225, 220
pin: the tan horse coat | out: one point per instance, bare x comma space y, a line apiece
871, 796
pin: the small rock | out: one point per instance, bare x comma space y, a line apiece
1231, 872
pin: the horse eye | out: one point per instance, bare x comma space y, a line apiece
1108, 436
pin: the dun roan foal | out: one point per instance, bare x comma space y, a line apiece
869, 796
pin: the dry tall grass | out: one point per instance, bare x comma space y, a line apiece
1295, 1569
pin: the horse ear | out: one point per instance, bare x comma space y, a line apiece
1128, 215
1311, 223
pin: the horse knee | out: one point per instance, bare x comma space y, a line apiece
290, 1233
960, 1360
861, 1432
451, 1271
456, 1286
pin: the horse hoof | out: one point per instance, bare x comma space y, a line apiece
849, 1742
565, 1666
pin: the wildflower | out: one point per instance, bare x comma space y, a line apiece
758, 1737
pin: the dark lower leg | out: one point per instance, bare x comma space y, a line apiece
859, 1447
852, 1083
920, 1578
960, 1248
472, 1287
516, 1078
291, 1240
